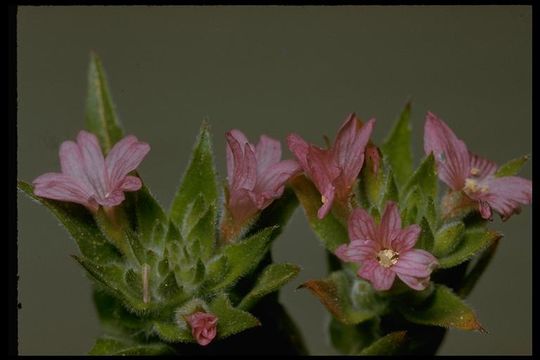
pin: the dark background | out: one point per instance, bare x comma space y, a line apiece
271, 70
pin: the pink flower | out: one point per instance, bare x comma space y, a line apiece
385, 250
256, 175
334, 170
463, 171
203, 327
89, 179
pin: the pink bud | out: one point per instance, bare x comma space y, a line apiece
203, 327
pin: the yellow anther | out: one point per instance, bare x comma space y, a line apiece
324, 199
471, 185
387, 258
475, 171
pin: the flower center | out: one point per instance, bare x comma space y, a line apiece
387, 257
472, 186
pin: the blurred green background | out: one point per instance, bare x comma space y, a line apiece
271, 70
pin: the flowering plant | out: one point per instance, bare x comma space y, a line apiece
200, 279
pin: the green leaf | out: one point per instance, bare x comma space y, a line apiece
371, 184
329, 230
216, 270
196, 210
231, 321
101, 118
171, 332
348, 306
391, 192
397, 148
351, 339
113, 226
443, 308
114, 317
168, 289
149, 216
473, 241
425, 240
447, 238
411, 209
203, 234
112, 346
272, 278
472, 277
80, 224
111, 278
199, 179
277, 213
244, 256
425, 178
512, 167
390, 344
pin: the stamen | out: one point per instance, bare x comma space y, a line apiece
145, 269
387, 257
475, 171
324, 199
471, 185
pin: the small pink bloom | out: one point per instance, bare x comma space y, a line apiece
89, 179
385, 250
334, 170
203, 327
256, 176
463, 171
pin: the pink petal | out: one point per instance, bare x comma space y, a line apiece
383, 278
268, 153
130, 183
93, 163
367, 269
485, 209
505, 194
413, 282
234, 156
64, 188
273, 179
124, 157
390, 223
451, 154
328, 196
300, 149
322, 172
241, 162
235, 145
373, 153
322, 169
71, 162
241, 205
248, 178
358, 250
348, 149
115, 197
415, 262
361, 226
406, 238
481, 167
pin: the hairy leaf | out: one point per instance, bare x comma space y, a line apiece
199, 179
443, 308
272, 278
397, 148
512, 167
